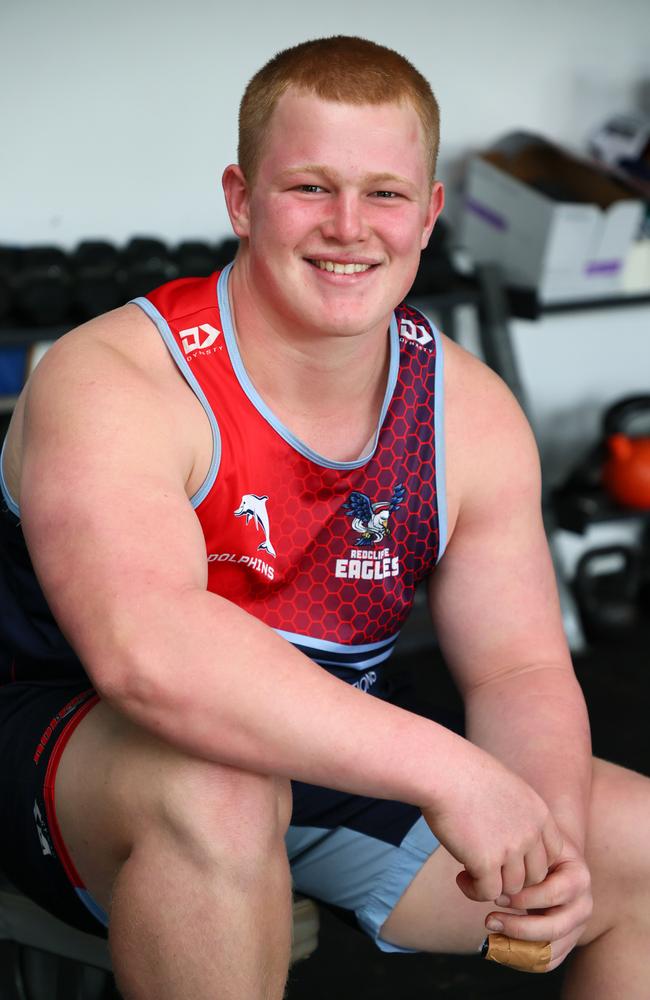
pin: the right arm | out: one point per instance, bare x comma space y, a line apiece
121, 558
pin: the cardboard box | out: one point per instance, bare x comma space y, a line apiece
554, 222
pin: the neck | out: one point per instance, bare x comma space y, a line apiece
327, 389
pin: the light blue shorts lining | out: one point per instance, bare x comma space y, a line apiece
359, 872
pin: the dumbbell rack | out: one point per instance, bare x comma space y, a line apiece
29, 337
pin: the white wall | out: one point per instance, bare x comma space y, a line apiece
118, 116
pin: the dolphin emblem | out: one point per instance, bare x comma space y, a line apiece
254, 507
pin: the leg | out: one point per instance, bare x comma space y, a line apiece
186, 856
611, 963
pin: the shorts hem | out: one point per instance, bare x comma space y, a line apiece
387, 892
62, 852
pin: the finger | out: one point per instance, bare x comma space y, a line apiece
526, 956
559, 888
536, 864
551, 926
513, 876
480, 888
563, 947
553, 842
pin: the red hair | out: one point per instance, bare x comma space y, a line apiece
342, 68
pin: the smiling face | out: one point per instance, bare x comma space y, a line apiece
340, 209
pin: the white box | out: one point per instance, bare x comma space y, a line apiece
554, 222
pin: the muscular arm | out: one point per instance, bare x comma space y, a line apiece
121, 558
496, 610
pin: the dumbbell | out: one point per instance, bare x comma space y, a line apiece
42, 286
97, 284
194, 259
8, 266
146, 263
225, 251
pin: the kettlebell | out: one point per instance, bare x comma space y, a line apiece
626, 470
606, 586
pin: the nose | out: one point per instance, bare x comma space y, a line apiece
345, 222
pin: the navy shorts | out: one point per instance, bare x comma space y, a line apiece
348, 851
36, 722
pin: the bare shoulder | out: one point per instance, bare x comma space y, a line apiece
489, 445
111, 371
125, 337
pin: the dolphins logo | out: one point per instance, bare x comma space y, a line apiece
254, 507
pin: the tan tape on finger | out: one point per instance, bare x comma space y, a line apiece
526, 956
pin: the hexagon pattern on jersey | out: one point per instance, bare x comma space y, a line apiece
291, 555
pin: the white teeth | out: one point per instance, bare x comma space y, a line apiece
330, 265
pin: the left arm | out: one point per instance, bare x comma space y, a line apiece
496, 610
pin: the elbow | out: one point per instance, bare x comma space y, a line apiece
130, 675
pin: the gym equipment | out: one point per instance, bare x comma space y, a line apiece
607, 586
194, 259
644, 561
42, 286
612, 480
225, 251
8, 264
436, 272
147, 263
626, 471
97, 282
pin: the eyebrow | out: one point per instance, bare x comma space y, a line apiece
319, 168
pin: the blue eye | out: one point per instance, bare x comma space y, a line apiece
310, 188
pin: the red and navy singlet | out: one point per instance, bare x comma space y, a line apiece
326, 553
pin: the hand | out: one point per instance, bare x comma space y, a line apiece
558, 908
496, 825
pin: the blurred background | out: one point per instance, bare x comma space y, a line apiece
117, 120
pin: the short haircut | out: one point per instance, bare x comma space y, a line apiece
341, 68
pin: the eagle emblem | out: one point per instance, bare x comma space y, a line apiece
371, 519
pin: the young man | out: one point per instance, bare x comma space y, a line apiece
229, 491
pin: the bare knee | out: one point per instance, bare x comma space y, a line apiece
217, 811
140, 790
616, 849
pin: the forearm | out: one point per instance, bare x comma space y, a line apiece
536, 723
210, 679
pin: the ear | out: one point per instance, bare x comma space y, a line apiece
435, 207
236, 192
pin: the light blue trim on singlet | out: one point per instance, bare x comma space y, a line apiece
259, 404
376, 652
439, 437
186, 371
9, 500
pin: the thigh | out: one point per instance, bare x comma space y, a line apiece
121, 789
36, 721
